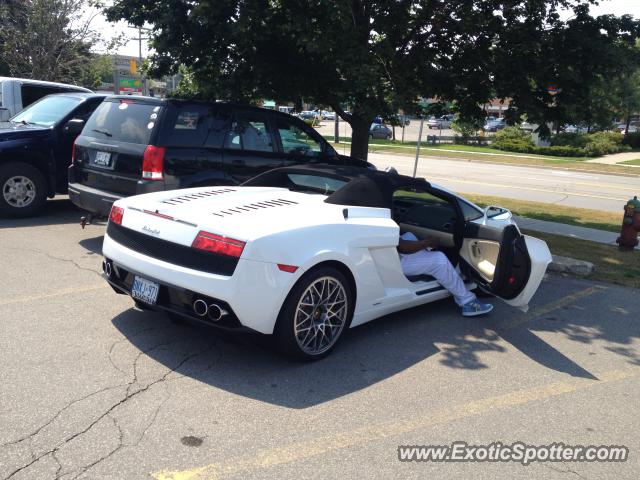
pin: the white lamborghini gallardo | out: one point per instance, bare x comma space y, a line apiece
306, 252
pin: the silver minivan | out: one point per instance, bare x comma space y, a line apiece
18, 93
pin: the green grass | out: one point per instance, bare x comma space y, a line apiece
611, 264
581, 217
632, 162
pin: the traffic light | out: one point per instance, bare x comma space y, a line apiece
133, 66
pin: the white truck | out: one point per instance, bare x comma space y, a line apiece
18, 93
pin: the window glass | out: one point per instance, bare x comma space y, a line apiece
31, 93
186, 125
423, 209
295, 140
249, 132
315, 183
48, 111
470, 212
87, 108
122, 120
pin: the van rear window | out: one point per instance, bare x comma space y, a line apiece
123, 121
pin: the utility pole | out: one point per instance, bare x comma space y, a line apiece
415, 165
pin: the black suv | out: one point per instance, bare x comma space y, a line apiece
134, 145
35, 150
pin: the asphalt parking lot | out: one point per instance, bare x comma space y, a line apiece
93, 388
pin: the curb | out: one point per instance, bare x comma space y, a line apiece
562, 264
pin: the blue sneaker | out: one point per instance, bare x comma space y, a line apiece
474, 308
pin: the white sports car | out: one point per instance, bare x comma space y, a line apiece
306, 252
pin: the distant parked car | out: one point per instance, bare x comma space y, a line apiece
442, 122
19, 93
380, 131
634, 127
574, 129
308, 115
36, 149
495, 125
328, 115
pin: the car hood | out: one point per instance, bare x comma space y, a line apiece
16, 131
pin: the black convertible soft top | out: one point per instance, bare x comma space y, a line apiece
364, 187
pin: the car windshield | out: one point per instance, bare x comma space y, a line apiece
48, 111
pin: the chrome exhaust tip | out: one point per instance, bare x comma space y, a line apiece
104, 266
200, 307
107, 269
215, 312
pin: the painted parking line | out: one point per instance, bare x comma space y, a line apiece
550, 307
294, 452
56, 293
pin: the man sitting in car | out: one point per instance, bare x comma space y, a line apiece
417, 257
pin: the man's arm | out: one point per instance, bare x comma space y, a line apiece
413, 246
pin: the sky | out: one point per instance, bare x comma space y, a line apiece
615, 7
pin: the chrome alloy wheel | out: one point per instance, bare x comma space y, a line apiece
320, 315
19, 191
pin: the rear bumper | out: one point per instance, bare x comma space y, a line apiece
98, 201
90, 199
254, 293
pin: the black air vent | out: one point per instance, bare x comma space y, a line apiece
250, 207
196, 196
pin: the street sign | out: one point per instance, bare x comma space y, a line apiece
130, 85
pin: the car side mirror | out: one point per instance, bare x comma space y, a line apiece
497, 213
74, 126
4, 114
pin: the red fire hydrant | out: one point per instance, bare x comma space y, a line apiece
628, 238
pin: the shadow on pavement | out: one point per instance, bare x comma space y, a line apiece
247, 365
57, 211
93, 244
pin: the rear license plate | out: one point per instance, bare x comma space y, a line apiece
145, 290
102, 159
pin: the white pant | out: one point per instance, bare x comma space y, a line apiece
438, 266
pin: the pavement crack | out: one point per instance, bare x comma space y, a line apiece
59, 259
128, 396
555, 469
53, 419
86, 468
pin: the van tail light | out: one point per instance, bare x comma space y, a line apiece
116, 214
73, 152
153, 163
218, 244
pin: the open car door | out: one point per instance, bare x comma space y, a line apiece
504, 262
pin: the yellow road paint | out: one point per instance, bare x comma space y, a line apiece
306, 449
550, 307
532, 189
57, 293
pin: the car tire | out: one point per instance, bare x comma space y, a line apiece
310, 296
23, 190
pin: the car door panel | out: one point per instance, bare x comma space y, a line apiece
504, 262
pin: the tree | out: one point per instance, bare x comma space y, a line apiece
47, 39
373, 56
581, 57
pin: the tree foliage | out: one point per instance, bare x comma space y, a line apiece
47, 39
371, 57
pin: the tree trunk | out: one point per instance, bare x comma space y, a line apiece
360, 137
627, 123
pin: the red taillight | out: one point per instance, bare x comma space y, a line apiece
153, 163
218, 244
116, 215
73, 153
287, 268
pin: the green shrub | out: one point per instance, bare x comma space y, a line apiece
560, 151
578, 140
603, 143
513, 139
632, 140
